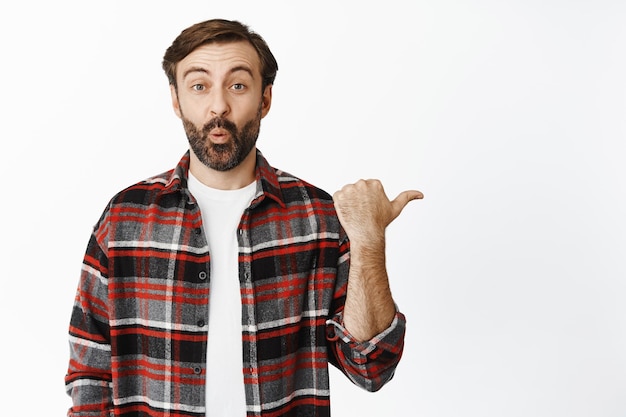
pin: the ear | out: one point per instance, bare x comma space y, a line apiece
267, 100
175, 103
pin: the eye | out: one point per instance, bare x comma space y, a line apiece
238, 87
197, 87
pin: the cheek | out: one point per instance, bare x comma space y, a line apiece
192, 112
252, 112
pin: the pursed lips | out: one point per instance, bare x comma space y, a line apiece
219, 135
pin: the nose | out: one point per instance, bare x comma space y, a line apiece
219, 106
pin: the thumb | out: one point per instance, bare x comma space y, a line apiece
400, 202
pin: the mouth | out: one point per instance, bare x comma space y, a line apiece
219, 135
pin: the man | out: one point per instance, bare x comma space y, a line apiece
224, 287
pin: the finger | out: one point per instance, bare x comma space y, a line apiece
400, 202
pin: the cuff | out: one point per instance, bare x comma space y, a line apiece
388, 341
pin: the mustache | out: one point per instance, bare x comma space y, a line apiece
219, 122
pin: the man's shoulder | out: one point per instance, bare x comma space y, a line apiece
152, 189
146, 191
294, 187
286, 186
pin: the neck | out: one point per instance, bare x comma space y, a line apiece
233, 179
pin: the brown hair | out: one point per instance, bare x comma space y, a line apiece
218, 30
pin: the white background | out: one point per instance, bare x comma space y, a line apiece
510, 116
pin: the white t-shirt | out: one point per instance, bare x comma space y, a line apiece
221, 214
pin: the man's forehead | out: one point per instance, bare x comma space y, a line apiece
222, 56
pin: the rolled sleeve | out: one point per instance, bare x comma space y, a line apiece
369, 364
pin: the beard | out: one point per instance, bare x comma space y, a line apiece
223, 156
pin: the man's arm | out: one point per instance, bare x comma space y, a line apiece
364, 211
88, 379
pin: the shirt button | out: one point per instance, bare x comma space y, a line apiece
197, 370
198, 230
200, 323
202, 275
247, 275
330, 334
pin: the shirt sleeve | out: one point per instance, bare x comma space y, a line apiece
369, 364
88, 379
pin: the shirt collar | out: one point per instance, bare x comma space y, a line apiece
266, 179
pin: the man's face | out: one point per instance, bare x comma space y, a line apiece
221, 103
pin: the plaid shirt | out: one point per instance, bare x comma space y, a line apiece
138, 330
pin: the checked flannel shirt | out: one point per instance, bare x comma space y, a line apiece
138, 329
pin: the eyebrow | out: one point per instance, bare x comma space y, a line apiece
207, 72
